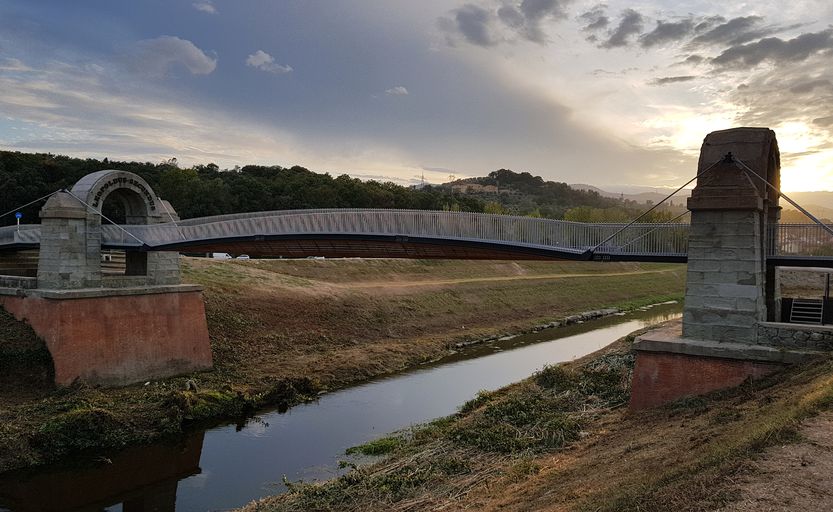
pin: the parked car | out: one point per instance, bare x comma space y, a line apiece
243, 257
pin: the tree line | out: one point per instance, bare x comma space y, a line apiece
203, 190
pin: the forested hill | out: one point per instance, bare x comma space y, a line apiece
207, 190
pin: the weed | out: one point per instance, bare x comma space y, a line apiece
483, 397
382, 446
556, 377
78, 430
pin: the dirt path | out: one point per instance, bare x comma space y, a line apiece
792, 477
443, 282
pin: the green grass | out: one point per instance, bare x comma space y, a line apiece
377, 447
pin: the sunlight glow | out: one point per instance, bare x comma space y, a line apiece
804, 165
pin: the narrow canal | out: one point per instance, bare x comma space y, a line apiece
230, 465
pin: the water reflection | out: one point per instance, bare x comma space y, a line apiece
230, 465
140, 479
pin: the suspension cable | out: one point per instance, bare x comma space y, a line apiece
165, 206
812, 217
29, 204
649, 210
106, 218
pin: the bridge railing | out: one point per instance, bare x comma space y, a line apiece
799, 240
558, 235
24, 234
575, 237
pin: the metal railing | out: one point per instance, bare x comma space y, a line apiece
799, 240
558, 235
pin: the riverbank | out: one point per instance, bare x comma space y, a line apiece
563, 440
283, 331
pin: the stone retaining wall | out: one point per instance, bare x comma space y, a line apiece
811, 337
27, 283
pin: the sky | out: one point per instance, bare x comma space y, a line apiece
611, 94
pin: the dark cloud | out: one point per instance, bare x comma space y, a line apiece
511, 16
522, 19
775, 49
629, 25
667, 32
810, 86
474, 23
791, 91
595, 19
731, 31
673, 80
534, 12
539, 9
694, 59
707, 23
823, 121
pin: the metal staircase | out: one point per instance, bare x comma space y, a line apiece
807, 311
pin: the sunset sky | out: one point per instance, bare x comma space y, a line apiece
612, 94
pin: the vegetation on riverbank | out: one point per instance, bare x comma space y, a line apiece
283, 330
562, 440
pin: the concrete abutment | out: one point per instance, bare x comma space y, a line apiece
109, 330
731, 293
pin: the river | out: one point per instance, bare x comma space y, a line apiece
229, 465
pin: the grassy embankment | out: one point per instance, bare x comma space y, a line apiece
283, 330
563, 440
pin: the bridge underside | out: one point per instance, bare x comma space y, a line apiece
371, 246
398, 246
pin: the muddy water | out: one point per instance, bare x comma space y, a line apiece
230, 465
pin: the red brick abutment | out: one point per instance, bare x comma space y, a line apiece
118, 336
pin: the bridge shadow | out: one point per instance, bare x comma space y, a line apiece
144, 479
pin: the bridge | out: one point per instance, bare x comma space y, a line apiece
376, 233
144, 323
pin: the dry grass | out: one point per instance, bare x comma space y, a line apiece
680, 457
274, 324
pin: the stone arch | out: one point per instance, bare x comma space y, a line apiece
140, 202
71, 234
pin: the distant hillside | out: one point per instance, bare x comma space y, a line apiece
522, 193
640, 197
819, 204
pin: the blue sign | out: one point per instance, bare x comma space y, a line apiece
18, 215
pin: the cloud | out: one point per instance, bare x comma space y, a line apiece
823, 121
482, 27
78, 110
399, 90
511, 16
673, 80
667, 32
812, 85
265, 62
538, 9
734, 31
474, 23
777, 50
630, 25
595, 19
205, 6
156, 56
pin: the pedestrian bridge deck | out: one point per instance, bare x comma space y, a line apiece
425, 234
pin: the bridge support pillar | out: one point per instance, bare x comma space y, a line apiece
730, 291
110, 329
